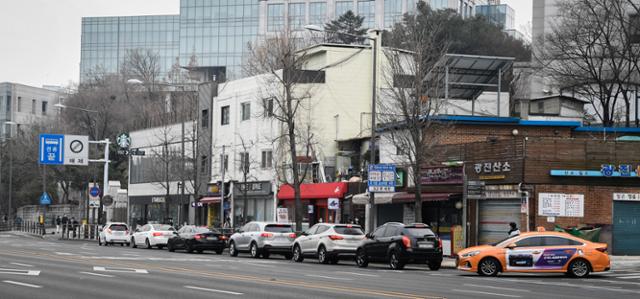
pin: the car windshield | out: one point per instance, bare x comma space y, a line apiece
202, 230
118, 227
162, 227
349, 230
278, 228
503, 242
418, 231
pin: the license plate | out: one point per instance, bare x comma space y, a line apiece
425, 245
212, 238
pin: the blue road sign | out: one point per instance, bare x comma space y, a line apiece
45, 199
94, 191
51, 149
382, 178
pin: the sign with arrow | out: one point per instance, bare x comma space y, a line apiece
45, 199
333, 203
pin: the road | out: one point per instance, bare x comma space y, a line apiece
36, 268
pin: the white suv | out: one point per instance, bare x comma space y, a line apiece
263, 238
328, 242
114, 232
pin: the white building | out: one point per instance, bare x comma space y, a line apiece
22, 105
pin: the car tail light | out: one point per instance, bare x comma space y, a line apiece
439, 243
198, 237
406, 242
108, 230
157, 234
266, 235
602, 249
126, 232
335, 237
222, 237
292, 235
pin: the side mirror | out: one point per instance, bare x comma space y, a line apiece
304, 234
512, 246
369, 236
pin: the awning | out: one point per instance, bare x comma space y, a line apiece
399, 197
210, 200
314, 191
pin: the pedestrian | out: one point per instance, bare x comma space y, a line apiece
74, 224
65, 226
514, 231
58, 222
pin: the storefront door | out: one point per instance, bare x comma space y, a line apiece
626, 227
494, 216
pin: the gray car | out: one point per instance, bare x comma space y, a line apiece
263, 239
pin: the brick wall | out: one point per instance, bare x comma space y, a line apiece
466, 133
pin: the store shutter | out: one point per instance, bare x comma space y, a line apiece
494, 218
626, 228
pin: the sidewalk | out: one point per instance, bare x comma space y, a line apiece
625, 262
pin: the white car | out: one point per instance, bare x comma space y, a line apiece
114, 232
263, 238
151, 235
328, 242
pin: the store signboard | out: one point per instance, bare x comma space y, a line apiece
441, 175
282, 215
626, 196
560, 205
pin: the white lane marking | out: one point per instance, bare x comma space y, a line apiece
21, 265
64, 253
497, 288
486, 293
130, 254
120, 270
213, 290
327, 277
360, 274
629, 277
97, 274
19, 272
22, 284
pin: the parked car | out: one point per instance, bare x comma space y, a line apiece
537, 252
193, 238
114, 232
263, 239
152, 235
399, 244
328, 242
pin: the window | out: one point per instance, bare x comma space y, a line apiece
224, 115
531, 242
393, 230
203, 164
275, 17
296, 16
400, 151
379, 233
267, 159
245, 112
322, 229
313, 229
225, 163
33, 106
268, 108
342, 7
559, 241
205, 118
392, 12
8, 106
44, 107
366, 9
244, 162
317, 13
19, 104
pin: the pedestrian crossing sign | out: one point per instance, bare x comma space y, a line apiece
45, 199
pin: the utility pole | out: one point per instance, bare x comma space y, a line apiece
222, 189
372, 146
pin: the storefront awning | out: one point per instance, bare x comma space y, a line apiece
314, 191
210, 200
400, 197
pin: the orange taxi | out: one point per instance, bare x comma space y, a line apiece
536, 252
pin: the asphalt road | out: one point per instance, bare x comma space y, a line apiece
35, 268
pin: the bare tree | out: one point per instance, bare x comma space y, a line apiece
589, 52
144, 65
165, 159
410, 100
247, 165
279, 61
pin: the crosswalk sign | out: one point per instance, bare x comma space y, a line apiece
45, 199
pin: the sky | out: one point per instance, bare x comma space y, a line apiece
40, 39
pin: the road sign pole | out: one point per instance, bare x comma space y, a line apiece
44, 191
105, 187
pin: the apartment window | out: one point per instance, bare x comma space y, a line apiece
245, 112
244, 162
44, 107
400, 151
267, 159
8, 106
367, 9
19, 104
203, 164
392, 12
33, 106
342, 7
225, 163
296, 16
275, 17
205, 118
224, 115
317, 13
268, 108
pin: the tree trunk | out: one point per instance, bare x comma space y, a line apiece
418, 192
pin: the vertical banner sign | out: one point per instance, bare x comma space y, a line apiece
51, 151
283, 215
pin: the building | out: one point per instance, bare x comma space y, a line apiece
501, 15
216, 32
22, 105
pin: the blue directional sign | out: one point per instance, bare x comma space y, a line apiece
51, 149
45, 199
94, 191
382, 178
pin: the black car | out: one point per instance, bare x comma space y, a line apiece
398, 244
193, 238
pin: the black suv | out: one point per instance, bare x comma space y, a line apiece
398, 244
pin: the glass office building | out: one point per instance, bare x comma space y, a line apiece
217, 32
502, 15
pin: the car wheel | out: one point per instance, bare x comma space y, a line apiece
232, 249
579, 268
394, 261
133, 243
146, 242
434, 265
128, 244
121, 244
170, 248
219, 251
322, 255
297, 254
361, 259
489, 267
253, 250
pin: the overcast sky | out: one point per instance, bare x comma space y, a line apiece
40, 39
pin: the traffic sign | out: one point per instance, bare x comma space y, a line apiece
382, 178
45, 199
94, 191
333, 203
51, 149
76, 150
107, 200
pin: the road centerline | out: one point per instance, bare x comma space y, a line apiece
213, 290
24, 284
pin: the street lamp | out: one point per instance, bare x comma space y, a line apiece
372, 156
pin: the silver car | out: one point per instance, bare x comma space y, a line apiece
263, 239
328, 242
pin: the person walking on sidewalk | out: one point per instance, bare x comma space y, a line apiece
74, 225
65, 227
58, 221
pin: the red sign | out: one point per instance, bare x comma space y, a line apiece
441, 175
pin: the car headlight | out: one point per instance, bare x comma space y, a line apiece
472, 253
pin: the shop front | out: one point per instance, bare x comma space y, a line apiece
258, 197
321, 202
151, 209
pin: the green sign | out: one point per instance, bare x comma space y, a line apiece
400, 174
